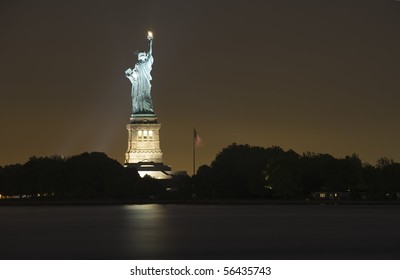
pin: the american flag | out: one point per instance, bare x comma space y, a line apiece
196, 139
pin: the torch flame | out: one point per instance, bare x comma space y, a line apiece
150, 34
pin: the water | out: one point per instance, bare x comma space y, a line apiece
200, 232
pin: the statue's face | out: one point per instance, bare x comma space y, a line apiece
142, 56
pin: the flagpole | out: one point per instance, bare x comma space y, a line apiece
194, 152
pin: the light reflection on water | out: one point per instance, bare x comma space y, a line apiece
200, 232
146, 230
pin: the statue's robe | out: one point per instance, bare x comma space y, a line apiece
140, 78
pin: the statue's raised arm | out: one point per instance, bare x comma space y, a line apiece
150, 38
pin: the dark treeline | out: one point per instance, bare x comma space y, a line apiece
85, 176
238, 172
243, 171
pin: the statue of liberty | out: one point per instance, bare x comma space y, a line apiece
140, 78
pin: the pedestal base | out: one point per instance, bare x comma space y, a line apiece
143, 143
153, 169
144, 153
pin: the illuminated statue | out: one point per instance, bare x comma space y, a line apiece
140, 78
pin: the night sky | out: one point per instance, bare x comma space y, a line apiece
320, 76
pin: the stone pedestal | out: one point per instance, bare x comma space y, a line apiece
144, 152
143, 141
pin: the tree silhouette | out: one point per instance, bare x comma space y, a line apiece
237, 172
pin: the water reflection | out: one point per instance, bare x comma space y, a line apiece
200, 232
146, 231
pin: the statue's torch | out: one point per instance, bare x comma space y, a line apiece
149, 35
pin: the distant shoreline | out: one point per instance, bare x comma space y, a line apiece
103, 202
